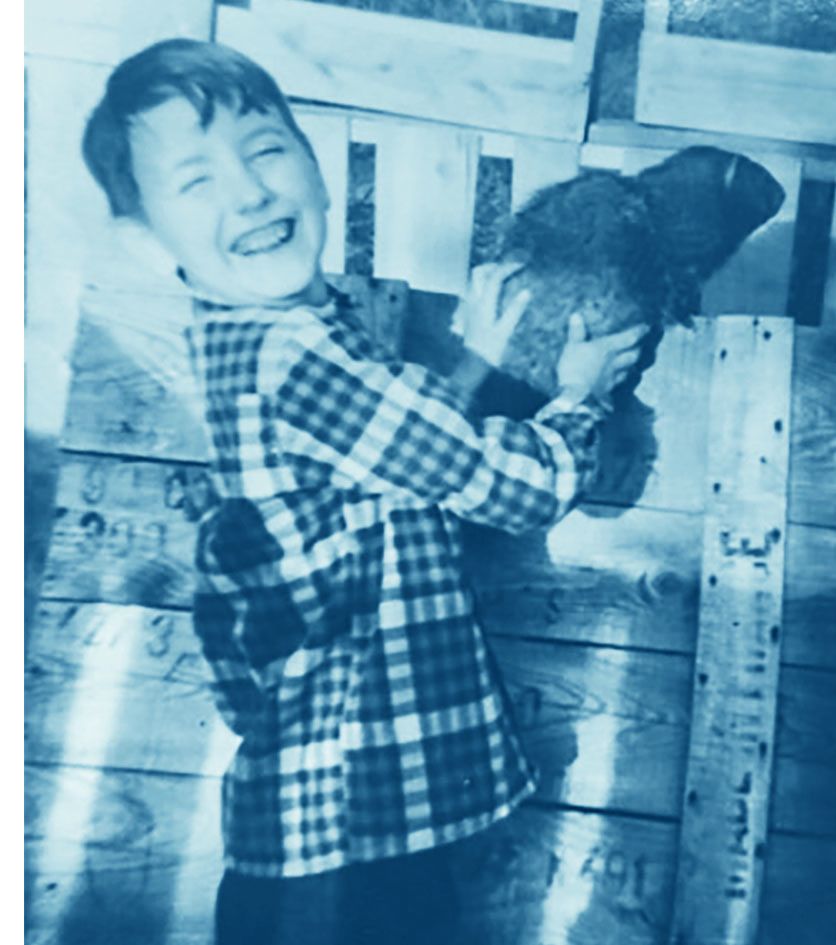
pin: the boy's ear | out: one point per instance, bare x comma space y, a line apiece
144, 246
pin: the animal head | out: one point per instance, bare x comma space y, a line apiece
705, 202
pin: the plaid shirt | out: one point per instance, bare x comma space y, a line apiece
330, 603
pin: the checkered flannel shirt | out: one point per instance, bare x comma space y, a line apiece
331, 605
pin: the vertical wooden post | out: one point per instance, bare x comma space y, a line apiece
724, 823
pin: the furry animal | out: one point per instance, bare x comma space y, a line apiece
625, 250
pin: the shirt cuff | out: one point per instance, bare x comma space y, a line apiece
569, 401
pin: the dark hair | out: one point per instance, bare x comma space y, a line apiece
205, 74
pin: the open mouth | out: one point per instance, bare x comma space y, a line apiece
265, 239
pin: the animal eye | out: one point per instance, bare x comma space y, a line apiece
194, 183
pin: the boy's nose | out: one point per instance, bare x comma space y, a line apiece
248, 191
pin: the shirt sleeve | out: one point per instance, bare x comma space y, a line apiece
239, 699
388, 426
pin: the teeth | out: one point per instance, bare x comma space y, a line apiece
264, 238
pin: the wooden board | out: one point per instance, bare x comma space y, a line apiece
798, 903
105, 31
328, 135
829, 308
819, 160
151, 860
105, 685
743, 88
122, 531
132, 393
812, 497
728, 777
538, 162
425, 192
123, 687
469, 76
612, 577
119, 856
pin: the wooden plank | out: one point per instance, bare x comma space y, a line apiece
812, 457
804, 790
141, 24
656, 15
632, 579
613, 577
132, 391
798, 903
585, 41
810, 597
597, 720
118, 856
743, 88
67, 216
819, 160
425, 192
828, 320
545, 877
571, 5
538, 162
415, 67
104, 31
122, 533
328, 135
105, 683
135, 858
122, 687
51, 315
113, 866
86, 30
724, 825
756, 279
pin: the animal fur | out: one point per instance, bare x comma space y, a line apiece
626, 250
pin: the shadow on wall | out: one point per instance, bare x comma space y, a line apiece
40, 472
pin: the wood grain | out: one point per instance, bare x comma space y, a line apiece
812, 482
124, 531
104, 31
126, 687
135, 859
744, 88
728, 776
472, 77
425, 193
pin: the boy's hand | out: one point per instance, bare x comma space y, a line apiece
596, 366
485, 331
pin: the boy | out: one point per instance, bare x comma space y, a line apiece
330, 603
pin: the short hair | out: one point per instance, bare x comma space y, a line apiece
205, 74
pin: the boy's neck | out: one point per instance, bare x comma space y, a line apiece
315, 294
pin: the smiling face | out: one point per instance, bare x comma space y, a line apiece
240, 204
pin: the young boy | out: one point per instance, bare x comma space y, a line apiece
331, 604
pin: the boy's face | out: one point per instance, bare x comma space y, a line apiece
240, 204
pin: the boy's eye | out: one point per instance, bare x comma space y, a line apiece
194, 183
269, 151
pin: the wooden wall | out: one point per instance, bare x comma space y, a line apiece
595, 623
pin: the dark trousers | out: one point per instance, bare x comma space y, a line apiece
405, 900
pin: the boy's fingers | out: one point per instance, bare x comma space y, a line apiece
629, 338
514, 310
577, 328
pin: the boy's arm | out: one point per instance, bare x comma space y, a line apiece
393, 427
237, 695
